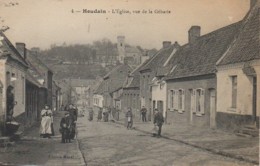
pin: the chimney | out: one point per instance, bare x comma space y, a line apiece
252, 3
21, 49
194, 33
166, 44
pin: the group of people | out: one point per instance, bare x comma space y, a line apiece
107, 113
67, 123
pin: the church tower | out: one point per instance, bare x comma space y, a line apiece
121, 48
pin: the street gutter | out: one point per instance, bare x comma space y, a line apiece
214, 151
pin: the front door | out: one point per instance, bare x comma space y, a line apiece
160, 105
254, 98
212, 108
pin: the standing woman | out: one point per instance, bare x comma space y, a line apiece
45, 129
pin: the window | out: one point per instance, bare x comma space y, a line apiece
197, 101
234, 91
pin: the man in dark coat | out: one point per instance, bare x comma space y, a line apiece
158, 121
143, 113
129, 118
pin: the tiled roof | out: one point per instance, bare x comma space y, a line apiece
246, 45
100, 88
158, 60
133, 80
8, 49
115, 69
200, 57
36, 62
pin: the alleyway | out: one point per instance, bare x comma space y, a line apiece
111, 144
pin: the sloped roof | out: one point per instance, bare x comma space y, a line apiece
158, 60
200, 57
8, 49
116, 68
100, 88
35, 61
133, 80
246, 45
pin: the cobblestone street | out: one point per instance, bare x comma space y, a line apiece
111, 144
33, 150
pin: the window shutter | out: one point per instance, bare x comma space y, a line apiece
193, 100
176, 99
183, 100
202, 101
169, 99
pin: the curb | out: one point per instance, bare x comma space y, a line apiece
214, 151
82, 158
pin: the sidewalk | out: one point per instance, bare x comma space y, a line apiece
33, 150
215, 141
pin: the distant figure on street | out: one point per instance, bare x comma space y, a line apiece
143, 113
90, 114
117, 113
129, 118
158, 121
99, 117
105, 115
45, 129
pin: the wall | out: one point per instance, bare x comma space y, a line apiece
230, 118
19, 87
145, 92
131, 98
159, 94
188, 117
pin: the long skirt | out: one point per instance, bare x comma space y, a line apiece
46, 125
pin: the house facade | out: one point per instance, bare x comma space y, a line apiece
148, 72
238, 74
12, 74
114, 81
191, 82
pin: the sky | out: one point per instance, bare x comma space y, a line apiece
40, 23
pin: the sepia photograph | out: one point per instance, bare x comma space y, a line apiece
129, 82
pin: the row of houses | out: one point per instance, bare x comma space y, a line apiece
31, 81
209, 81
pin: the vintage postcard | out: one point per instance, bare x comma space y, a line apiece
129, 82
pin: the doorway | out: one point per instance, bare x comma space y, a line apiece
212, 108
254, 99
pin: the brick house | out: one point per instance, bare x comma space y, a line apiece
191, 82
113, 81
238, 73
131, 91
149, 70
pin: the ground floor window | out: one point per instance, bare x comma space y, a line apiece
197, 101
176, 100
